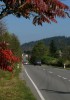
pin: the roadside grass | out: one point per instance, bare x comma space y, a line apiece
67, 68
12, 88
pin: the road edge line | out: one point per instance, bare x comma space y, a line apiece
39, 93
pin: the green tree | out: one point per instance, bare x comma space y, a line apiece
5, 37
3, 28
15, 45
52, 49
39, 50
66, 53
13, 41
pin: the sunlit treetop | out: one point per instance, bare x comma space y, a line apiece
41, 10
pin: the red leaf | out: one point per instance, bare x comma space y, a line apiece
9, 68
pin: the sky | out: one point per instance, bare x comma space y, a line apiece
27, 32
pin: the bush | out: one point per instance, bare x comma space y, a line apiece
49, 60
60, 62
67, 62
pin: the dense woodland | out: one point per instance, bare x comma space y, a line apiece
52, 51
60, 41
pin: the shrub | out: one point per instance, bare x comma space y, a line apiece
7, 58
49, 60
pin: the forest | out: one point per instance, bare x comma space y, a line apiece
52, 51
60, 41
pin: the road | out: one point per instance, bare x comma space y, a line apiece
48, 83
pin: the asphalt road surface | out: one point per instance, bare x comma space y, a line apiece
46, 82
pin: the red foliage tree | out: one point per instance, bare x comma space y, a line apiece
7, 59
41, 10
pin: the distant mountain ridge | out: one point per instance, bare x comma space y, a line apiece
60, 42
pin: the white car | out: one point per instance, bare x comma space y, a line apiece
25, 63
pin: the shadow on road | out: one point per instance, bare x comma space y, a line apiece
54, 91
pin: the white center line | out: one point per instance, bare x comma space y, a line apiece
44, 69
59, 76
50, 72
64, 78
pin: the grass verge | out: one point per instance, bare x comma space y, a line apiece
13, 88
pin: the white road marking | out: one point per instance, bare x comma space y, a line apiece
44, 69
59, 76
64, 78
50, 72
38, 91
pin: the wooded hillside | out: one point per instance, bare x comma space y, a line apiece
61, 42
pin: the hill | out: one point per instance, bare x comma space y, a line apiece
60, 42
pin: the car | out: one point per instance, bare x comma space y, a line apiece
37, 62
25, 62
